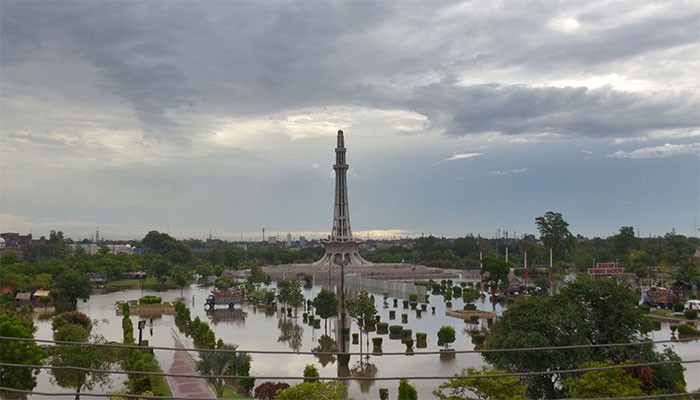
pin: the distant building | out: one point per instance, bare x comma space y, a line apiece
272, 239
302, 241
289, 240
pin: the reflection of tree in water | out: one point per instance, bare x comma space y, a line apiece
364, 370
290, 333
227, 317
326, 344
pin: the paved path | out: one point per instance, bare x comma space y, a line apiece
187, 387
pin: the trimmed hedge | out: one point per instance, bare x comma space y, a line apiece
395, 328
150, 300
685, 329
691, 314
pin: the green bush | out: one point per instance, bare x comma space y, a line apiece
413, 297
448, 304
407, 333
392, 314
685, 329
478, 338
395, 328
150, 300
406, 391
691, 314
382, 327
409, 343
355, 338
377, 341
405, 304
310, 371
383, 394
474, 318
678, 307
421, 336
645, 308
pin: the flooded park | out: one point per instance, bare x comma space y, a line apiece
261, 328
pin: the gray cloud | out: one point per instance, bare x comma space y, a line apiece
520, 109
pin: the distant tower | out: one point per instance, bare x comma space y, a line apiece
289, 239
97, 235
341, 248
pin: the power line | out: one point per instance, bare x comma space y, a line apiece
140, 396
322, 353
353, 378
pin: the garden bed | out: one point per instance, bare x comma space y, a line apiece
467, 314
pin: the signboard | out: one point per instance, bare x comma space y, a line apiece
605, 265
604, 271
142, 324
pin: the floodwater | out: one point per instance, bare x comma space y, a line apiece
256, 328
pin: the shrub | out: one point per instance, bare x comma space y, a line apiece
392, 314
310, 371
267, 390
406, 391
474, 318
317, 324
446, 335
382, 327
421, 336
407, 333
448, 304
478, 338
413, 297
678, 307
405, 304
457, 291
150, 300
344, 359
470, 307
355, 337
691, 314
645, 308
383, 394
404, 318
685, 329
71, 318
377, 341
424, 307
409, 343
395, 328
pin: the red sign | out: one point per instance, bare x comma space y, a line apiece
605, 265
604, 271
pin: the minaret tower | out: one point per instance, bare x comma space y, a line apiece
341, 247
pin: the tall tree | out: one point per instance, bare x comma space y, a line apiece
326, 305
362, 309
18, 352
179, 275
296, 297
584, 312
623, 242
73, 285
553, 228
89, 357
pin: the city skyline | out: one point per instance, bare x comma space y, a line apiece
462, 117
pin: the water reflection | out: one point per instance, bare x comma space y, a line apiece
326, 344
364, 370
290, 333
227, 317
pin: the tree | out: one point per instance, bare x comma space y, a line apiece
584, 312
326, 305
42, 281
446, 335
605, 383
9, 257
459, 387
179, 275
362, 309
89, 357
72, 286
332, 390
18, 352
553, 228
470, 295
407, 391
257, 275
495, 271
310, 371
296, 297
221, 363
623, 242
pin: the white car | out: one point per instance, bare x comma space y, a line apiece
692, 305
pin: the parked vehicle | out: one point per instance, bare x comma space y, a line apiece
228, 297
664, 298
692, 305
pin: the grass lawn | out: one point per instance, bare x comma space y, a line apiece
135, 304
122, 283
231, 393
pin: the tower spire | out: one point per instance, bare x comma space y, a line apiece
341, 247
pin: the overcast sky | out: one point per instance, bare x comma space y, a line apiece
459, 118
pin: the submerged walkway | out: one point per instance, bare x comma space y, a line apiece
187, 387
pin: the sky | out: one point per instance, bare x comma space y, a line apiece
459, 117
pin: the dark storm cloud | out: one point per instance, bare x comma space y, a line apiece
517, 109
173, 61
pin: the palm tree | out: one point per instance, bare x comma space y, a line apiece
221, 363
